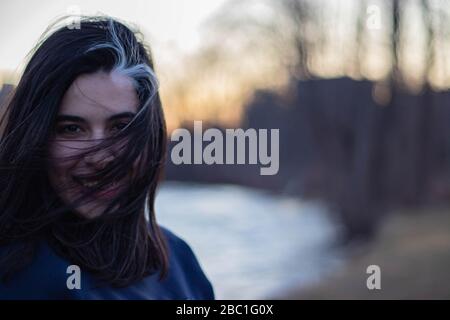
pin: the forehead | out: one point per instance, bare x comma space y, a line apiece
98, 95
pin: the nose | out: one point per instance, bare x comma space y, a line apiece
98, 159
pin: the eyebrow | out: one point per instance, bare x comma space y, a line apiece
71, 118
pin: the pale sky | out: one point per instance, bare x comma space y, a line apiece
165, 23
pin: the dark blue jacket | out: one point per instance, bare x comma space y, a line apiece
46, 278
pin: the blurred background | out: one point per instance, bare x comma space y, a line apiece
360, 92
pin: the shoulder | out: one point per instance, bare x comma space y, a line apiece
176, 244
44, 278
185, 267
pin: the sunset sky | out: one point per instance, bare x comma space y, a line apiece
168, 23
209, 73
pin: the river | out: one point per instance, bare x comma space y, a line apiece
251, 244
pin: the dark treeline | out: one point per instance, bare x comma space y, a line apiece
338, 144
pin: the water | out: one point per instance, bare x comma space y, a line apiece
251, 244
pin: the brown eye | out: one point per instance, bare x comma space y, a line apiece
69, 129
119, 126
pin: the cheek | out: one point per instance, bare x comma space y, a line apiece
119, 148
60, 161
138, 165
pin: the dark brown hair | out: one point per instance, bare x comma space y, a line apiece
124, 244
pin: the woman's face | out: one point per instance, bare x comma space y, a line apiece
94, 107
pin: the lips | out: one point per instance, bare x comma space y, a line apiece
90, 184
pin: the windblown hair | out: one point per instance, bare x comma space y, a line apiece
124, 244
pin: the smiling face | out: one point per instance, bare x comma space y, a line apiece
95, 107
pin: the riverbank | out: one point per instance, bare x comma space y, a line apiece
413, 252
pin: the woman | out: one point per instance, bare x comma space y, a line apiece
81, 153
